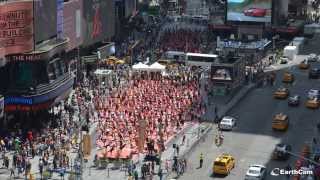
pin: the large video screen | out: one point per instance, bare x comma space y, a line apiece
45, 17
98, 21
249, 10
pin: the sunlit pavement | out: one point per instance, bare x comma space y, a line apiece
253, 140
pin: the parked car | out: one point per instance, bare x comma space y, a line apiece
313, 93
255, 12
314, 73
256, 172
294, 100
227, 123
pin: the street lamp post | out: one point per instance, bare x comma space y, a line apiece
161, 142
80, 152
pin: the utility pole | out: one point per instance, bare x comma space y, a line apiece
80, 152
161, 141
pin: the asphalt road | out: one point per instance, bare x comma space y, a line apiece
253, 140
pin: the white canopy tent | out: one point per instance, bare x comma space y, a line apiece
103, 72
140, 67
157, 67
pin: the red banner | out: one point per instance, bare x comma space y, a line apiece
16, 27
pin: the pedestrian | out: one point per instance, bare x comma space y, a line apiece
183, 139
6, 162
288, 168
185, 163
201, 160
135, 174
12, 174
177, 148
143, 171
41, 167
160, 174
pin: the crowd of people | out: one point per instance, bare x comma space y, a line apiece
145, 105
182, 40
50, 147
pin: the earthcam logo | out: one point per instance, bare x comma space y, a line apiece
278, 171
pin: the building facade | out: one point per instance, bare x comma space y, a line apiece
40, 45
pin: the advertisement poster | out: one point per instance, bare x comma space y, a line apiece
60, 17
16, 28
72, 23
45, 13
98, 22
249, 10
222, 73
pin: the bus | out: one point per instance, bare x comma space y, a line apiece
175, 55
196, 59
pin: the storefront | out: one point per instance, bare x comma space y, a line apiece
39, 79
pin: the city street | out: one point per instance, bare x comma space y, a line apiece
253, 140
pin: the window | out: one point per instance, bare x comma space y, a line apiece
27, 74
51, 73
219, 163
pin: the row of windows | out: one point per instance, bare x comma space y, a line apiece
57, 68
31, 74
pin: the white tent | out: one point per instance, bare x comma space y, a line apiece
157, 67
290, 52
103, 72
140, 67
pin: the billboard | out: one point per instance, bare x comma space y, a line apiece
72, 23
99, 22
249, 10
60, 7
220, 73
45, 17
16, 27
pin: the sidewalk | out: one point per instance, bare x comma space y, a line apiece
296, 61
224, 108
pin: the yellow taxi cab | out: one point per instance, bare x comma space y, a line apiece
280, 122
281, 93
304, 65
313, 103
223, 164
288, 77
